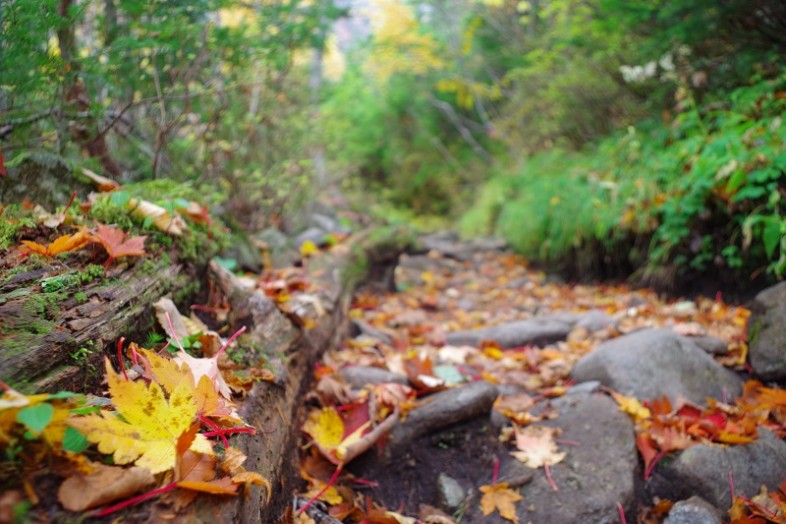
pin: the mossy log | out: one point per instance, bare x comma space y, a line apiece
52, 341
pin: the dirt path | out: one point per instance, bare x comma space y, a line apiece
465, 316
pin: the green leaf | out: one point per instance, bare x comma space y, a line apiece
736, 180
37, 417
771, 235
119, 198
74, 441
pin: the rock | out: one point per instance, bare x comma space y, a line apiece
710, 344
705, 469
282, 250
441, 410
695, 510
597, 473
450, 493
651, 363
595, 320
370, 331
537, 331
312, 234
592, 386
449, 244
360, 376
767, 333
328, 223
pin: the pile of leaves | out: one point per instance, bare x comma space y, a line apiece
159, 426
404, 332
662, 428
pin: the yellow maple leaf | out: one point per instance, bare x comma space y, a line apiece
308, 248
327, 430
631, 406
150, 426
501, 498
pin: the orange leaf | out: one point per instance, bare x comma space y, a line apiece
222, 486
501, 498
63, 244
116, 244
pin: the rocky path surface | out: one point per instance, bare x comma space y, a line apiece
526, 399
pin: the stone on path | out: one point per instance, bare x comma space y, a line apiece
651, 363
767, 333
450, 492
704, 470
599, 471
441, 410
694, 510
360, 376
535, 331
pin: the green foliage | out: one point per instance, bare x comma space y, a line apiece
704, 191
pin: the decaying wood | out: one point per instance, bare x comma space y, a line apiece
62, 347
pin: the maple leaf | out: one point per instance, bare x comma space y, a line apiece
501, 498
537, 446
150, 426
116, 244
3, 172
328, 430
632, 407
63, 244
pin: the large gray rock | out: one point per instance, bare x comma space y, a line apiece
705, 469
601, 470
535, 331
767, 333
651, 363
695, 510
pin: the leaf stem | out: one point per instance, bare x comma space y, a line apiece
120, 357
229, 431
231, 339
495, 474
136, 500
330, 482
622, 513
548, 477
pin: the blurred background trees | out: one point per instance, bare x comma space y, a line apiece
600, 136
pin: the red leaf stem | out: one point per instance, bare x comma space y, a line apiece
330, 482
135, 500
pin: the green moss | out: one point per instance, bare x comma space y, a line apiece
106, 211
14, 218
187, 291
80, 297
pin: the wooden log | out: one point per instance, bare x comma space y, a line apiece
56, 340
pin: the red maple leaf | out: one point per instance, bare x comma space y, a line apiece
116, 244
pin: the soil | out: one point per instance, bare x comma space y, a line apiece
465, 451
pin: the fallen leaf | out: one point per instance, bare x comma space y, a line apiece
151, 425
63, 244
116, 244
103, 183
537, 446
631, 406
103, 485
308, 249
162, 220
501, 498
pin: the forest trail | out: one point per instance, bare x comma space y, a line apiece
496, 414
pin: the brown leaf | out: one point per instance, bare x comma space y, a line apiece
105, 484
103, 183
